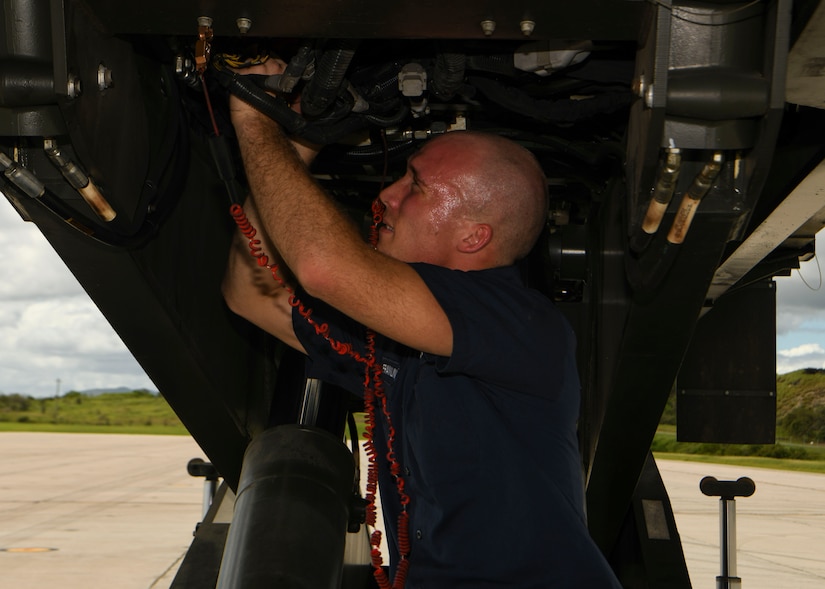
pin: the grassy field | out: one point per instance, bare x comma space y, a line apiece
141, 412
77, 428
136, 412
784, 455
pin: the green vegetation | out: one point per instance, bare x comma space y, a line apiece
800, 422
800, 428
134, 412
800, 405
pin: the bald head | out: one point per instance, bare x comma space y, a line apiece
505, 187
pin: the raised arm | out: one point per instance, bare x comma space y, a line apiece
250, 290
323, 248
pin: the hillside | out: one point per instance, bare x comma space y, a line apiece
800, 406
136, 411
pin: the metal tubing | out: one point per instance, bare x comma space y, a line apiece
727, 491
662, 192
291, 512
690, 202
727, 578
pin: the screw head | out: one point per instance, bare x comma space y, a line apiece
243, 24
527, 27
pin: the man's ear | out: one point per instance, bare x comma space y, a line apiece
476, 238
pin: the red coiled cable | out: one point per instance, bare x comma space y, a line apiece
373, 395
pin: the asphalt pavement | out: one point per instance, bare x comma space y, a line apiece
86, 511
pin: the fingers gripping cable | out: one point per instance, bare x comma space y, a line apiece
252, 89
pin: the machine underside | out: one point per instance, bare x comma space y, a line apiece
683, 143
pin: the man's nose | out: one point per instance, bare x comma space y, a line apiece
391, 195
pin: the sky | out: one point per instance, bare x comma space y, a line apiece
54, 340
50, 330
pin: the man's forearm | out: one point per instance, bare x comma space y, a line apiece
304, 224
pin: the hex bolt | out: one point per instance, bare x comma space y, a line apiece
104, 78
204, 21
650, 96
73, 86
244, 24
488, 27
527, 27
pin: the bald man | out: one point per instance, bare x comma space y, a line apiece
479, 371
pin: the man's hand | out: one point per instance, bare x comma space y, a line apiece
243, 114
240, 111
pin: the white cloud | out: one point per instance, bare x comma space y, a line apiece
808, 355
803, 350
49, 328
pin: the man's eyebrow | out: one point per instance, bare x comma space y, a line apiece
416, 177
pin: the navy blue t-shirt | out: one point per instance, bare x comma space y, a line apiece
486, 438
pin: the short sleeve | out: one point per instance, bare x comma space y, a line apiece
503, 332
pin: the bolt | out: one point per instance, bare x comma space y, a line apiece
104, 78
73, 88
244, 24
488, 27
204, 21
638, 86
649, 96
527, 27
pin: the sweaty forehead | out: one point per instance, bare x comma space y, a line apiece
445, 154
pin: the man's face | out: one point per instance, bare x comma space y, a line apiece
424, 212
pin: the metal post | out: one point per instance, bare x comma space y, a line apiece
197, 467
727, 491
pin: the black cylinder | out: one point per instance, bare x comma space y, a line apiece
290, 522
27, 28
26, 69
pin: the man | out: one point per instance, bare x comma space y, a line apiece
479, 371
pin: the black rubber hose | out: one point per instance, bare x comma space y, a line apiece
322, 90
319, 132
448, 75
372, 153
275, 108
550, 111
391, 120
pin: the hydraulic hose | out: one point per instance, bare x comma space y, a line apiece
448, 75
320, 132
320, 93
550, 111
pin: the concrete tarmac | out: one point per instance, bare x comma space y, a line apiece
88, 511
780, 529
85, 511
